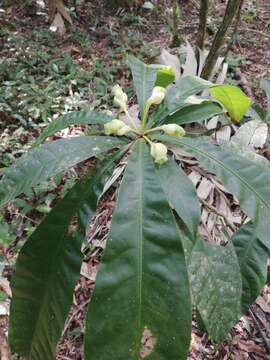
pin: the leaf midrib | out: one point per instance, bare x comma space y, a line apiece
140, 249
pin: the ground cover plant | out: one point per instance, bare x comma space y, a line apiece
156, 267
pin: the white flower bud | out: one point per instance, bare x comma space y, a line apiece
194, 100
120, 98
173, 130
159, 153
117, 127
124, 130
158, 95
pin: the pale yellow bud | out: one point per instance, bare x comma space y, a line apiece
116, 127
120, 98
124, 130
173, 130
158, 95
194, 100
159, 153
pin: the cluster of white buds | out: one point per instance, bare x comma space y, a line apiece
116, 127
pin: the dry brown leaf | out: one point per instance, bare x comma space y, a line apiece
4, 286
263, 305
5, 353
251, 347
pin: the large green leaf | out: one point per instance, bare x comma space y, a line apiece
177, 94
181, 194
47, 270
144, 79
73, 118
195, 113
215, 281
234, 100
142, 285
246, 179
252, 257
50, 159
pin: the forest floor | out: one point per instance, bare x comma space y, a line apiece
43, 75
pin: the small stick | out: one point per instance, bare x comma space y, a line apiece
266, 341
215, 211
73, 315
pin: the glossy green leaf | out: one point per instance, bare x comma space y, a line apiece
194, 113
234, 100
165, 76
181, 194
50, 159
142, 284
47, 270
252, 256
246, 179
144, 79
177, 94
73, 118
216, 285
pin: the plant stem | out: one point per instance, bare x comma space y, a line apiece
235, 30
145, 114
202, 25
152, 130
231, 11
146, 139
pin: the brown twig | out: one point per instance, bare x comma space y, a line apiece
230, 13
218, 213
80, 308
258, 325
202, 25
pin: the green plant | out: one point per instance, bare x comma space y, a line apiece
156, 266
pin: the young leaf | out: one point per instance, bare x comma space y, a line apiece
165, 76
50, 159
252, 256
144, 78
246, 179
168, 59
234, 100
142, 289
47, 270
73, 118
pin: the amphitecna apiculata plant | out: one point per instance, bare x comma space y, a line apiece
156, 267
